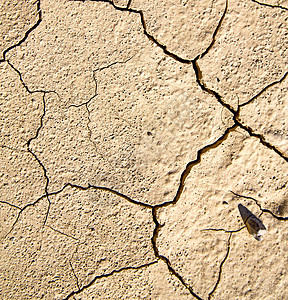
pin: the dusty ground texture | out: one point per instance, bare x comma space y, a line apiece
130, 132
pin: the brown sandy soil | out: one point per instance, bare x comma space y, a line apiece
130, 132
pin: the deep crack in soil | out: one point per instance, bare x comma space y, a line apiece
185, 173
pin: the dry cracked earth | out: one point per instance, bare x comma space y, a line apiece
130, 132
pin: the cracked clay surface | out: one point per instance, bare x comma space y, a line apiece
130, 132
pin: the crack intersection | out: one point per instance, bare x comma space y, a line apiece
189, 166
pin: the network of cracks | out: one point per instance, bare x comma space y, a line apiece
143, 224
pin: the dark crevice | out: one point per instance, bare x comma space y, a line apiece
12, 205
165, 259
142, 18
108, 275
264, 90
264, 210
38, 130
150, 37
26, 33
185, 173
222, 229
111, 191
191, 164
83, 188
203, 86
270, 5
199, 79
155, 233
25, 86
129, 3
221, 267
236, 112
214, 33
154, 40
100, 188
260, 137
250, 130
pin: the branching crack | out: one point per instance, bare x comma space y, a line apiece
129, 3
165, 259
260, 137
199, 79
237, 112
142, 18
203, 86
108, 275
184, 175
154, 40
30, 150
24, 208
86, 104
25, 86
47, 195
249, 129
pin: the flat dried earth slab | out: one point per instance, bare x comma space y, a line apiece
249, 53
22, 179
16, 17
259, 268
184, 27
